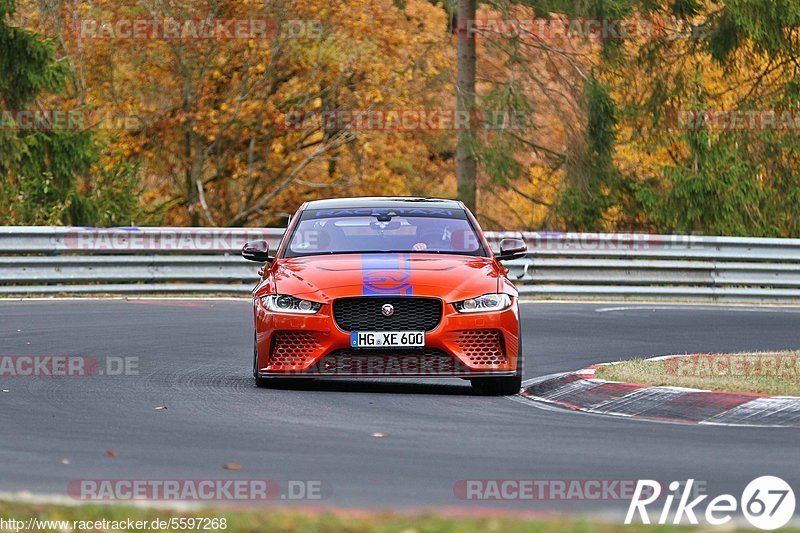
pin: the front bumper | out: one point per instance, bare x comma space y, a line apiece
462, 345
377, 375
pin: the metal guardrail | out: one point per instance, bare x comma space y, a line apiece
49, 260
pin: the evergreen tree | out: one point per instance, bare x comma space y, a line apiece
42, 164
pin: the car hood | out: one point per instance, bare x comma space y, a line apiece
324, 278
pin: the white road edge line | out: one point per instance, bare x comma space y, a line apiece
59, 499
741, 308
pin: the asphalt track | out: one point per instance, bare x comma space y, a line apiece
195, 357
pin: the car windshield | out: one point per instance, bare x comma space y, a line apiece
383, 230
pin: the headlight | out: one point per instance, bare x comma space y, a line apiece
482, 304
281, 303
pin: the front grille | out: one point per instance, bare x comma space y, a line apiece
425, 362
410, 314
484, 347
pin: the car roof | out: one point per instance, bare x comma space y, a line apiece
395, 202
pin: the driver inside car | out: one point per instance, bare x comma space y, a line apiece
435, 240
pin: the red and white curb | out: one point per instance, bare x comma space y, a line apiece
582, 391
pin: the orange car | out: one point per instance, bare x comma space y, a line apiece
387, 287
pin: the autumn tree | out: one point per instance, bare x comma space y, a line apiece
216, 139
574, 131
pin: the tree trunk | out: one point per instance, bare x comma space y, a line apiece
466, 165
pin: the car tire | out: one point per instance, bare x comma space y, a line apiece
497, 386
260, 382
500, 386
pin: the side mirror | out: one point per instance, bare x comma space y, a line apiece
256, 251
512, 249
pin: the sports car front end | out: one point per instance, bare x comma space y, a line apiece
387, 291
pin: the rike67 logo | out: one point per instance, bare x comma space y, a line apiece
767, 502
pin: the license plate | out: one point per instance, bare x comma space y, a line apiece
384, 339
